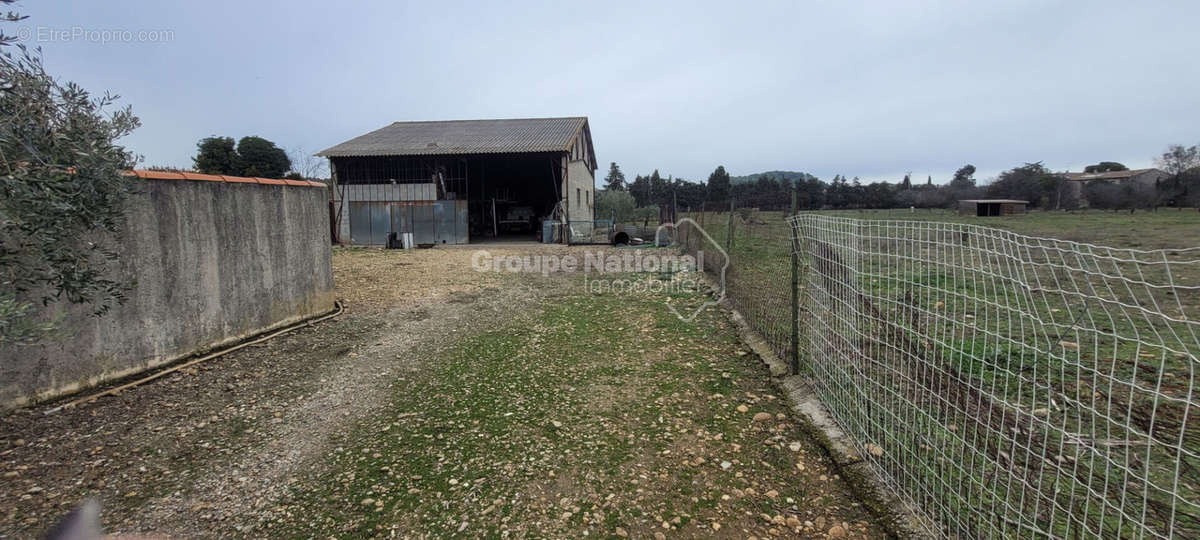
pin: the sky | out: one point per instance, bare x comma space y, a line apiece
867, 89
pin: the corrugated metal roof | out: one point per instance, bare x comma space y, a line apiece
515, 135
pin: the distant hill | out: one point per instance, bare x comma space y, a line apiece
778, 175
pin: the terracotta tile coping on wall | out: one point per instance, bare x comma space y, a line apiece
165, 175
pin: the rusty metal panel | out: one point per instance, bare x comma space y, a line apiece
401, 217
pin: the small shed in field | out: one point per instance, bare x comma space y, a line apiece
991, 207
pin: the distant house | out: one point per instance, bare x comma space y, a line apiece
991, 207
1145, 177
460, 181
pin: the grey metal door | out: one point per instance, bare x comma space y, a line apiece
360, 223
381, 222
444, 216
423, 225
401, 217
460, 222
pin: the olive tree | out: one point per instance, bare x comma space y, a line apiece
615, 204
63, 189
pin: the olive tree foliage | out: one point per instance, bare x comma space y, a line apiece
62, 188
615, 204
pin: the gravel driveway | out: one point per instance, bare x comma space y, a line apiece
221, 448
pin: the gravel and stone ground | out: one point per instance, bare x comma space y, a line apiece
445, 402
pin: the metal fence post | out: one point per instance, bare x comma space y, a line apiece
729, 232
795, 294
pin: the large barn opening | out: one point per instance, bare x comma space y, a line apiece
449, 199
511, 195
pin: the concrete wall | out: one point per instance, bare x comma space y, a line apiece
213, 262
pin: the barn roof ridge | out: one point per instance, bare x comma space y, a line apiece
480, 136
1107, 175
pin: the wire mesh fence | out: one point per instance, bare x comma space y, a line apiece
1003, 385
757, 277
598, 231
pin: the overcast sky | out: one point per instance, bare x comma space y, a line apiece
869, 89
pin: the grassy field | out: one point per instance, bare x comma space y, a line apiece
1032, 392
1164, 229
759, 275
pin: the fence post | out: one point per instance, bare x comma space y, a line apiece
729, 231
795, 293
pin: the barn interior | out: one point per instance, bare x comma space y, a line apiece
449, 199
512, 194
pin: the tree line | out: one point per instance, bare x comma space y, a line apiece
1032, 182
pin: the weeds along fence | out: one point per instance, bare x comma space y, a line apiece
1002, 385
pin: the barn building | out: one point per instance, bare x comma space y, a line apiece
1145, 178
991, 207
461, 181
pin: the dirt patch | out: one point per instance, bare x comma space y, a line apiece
604, 397
464, 298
